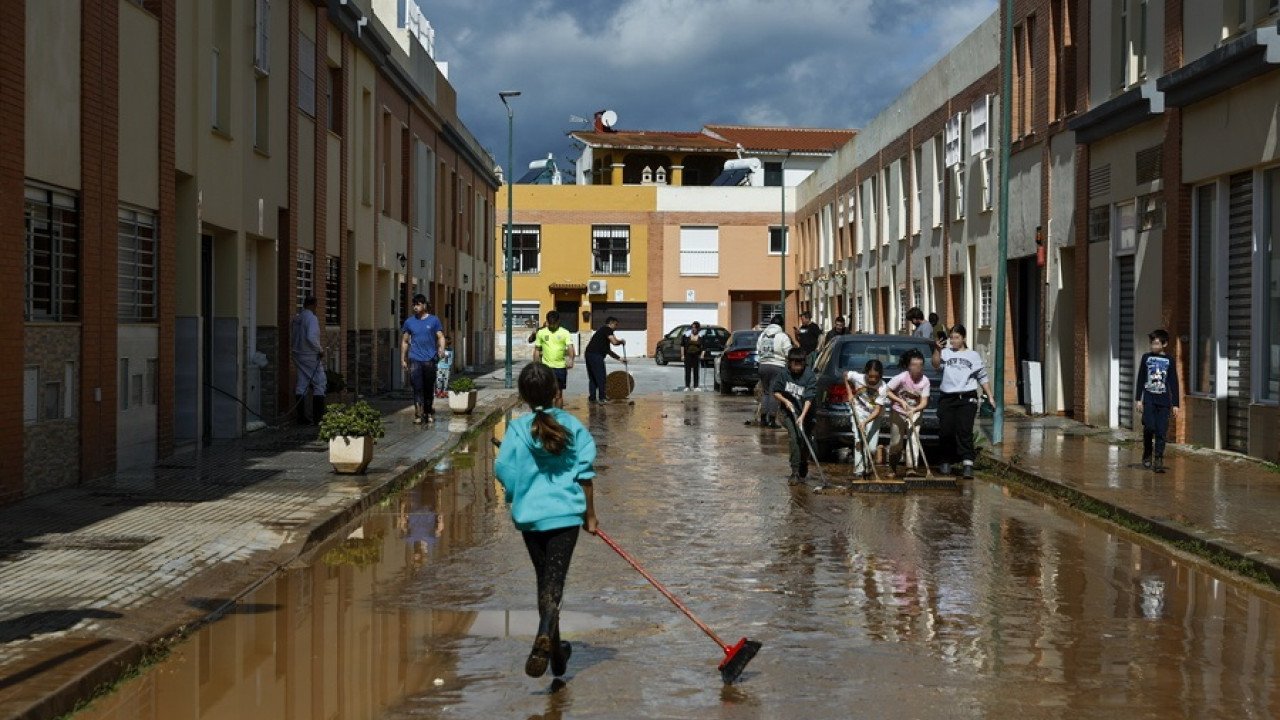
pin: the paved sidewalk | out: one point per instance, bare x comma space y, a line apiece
1226, 501
92, 577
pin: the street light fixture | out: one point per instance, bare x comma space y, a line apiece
503, 95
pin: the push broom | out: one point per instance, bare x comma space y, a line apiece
736, 656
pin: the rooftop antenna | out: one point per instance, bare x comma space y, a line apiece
741, 150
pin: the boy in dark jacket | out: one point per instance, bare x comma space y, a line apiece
795, 389
1156, 398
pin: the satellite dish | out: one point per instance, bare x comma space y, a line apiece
609, 118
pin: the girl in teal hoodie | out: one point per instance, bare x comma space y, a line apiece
545, 467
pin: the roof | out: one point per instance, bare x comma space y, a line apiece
652, 140
717, 138
782, 138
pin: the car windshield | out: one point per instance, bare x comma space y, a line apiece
854, 354
745, 338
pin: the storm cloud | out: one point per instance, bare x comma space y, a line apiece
678, 64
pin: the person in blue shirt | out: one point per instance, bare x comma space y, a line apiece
546, 468
1155, 398
421, 340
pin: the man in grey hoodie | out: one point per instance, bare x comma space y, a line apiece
771, 352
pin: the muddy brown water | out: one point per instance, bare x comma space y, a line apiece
967, 604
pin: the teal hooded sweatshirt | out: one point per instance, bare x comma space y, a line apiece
542, 488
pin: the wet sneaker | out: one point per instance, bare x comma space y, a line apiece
1146, 461
1159, 465
536, 665
795, 479
968, 472
560, 660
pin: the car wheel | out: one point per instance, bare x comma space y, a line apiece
826, 452
658, 357
724, 388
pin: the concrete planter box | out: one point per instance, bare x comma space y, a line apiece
350, 455
462, 403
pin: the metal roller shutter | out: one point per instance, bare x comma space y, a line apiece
1239, 309
1128, 358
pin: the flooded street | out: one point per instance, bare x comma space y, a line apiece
967, 604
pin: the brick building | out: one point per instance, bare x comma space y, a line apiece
1144, 188
182, 174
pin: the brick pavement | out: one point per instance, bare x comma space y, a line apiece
94, 576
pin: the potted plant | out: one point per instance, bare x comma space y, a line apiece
351, 431
462, 395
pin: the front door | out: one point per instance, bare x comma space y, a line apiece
568, 310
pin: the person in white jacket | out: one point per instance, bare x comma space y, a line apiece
307, 356
771, 353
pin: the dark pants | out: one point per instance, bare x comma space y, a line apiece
768, 403
595, 375
692, 363
799, 449
551, 551
1155, 426
956, 413
422, 375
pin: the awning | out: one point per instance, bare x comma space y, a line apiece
554, 287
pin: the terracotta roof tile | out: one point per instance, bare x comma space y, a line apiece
650, 140
783, 138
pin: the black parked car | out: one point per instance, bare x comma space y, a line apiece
738, 366
713, 342
832, 429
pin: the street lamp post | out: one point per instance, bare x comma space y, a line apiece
510, 213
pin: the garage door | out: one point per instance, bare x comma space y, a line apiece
674, 314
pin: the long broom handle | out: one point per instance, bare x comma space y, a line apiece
666, 593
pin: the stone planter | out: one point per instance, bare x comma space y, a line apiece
462, 403
350, 455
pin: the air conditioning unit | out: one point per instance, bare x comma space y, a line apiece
597, 287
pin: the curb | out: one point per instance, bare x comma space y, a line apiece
1205, 547
118, 664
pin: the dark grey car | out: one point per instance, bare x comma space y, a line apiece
832, 429
738, 365
713, 340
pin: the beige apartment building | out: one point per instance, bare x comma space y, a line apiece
181, 175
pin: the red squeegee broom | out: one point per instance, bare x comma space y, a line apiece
736, 656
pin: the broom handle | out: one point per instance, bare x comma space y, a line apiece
666, 593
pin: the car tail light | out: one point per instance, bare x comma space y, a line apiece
737, 354
837, 394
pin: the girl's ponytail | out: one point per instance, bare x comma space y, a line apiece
546, 430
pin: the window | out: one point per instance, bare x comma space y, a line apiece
1064, 66
610, 249
766, 311
957, 192
984, 301
939, 176
1099, 224
777, 244
1129, 43
262, 37
979, 126
524, 313
526, 248
333, 291
917, 187
955, 140
152, 380
262, 113
917, 293
699, 251
1151, 211
902, 307
306, 275
1203, 301
220, 68
772, 174
988, 164
52, 255
859, 314
333, 96
1269, 287
136, 300
306, 75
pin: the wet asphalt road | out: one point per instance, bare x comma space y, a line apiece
966, 604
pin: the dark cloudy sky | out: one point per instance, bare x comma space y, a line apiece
677, 64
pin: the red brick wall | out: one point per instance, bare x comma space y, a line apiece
12, 250
99, 141
287, 229
321, 182
167, 257
1176, 256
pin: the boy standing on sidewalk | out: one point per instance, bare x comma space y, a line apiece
1156, 398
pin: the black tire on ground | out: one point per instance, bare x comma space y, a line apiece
658, 357
724, 388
